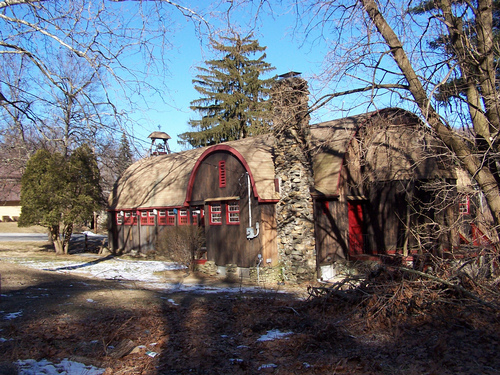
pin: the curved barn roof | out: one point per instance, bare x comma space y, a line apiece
164, 180
156, 181
161, 181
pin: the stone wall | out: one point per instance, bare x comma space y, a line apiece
292, 162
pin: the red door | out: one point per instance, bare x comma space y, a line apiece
355, 228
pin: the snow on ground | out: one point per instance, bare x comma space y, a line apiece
107, 268
147, 273
274, 334
66, 367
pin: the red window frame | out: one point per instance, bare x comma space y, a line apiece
147, 217
130, 218
183, 216
119, 218
222, 174
233, 213
127, 218
151, 217
171, 216
464, 205
215, 211
144, 217
162, 217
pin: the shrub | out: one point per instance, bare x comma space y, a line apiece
181, 244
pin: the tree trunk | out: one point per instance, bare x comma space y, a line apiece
56, 240
67, 232
61, 245
470, 161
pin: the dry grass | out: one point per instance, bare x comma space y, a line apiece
391, 323
11, 227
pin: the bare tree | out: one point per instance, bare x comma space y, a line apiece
60, 50
387, 53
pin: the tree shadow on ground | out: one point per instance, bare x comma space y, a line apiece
206, 332
207, 335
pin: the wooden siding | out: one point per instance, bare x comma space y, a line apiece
385, 216
331, 227
268, 246
226, 243
206, 183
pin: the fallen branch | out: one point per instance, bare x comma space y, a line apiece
457, 287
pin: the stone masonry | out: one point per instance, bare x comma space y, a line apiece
295, 223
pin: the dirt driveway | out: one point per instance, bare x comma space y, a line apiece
127, 329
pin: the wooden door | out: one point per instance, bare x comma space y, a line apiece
355, 216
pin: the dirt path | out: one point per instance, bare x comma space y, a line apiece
53, 316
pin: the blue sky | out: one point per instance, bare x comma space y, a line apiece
283, 52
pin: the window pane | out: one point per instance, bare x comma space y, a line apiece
183, 216
216, 214
233, 212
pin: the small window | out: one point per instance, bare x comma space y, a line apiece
171, 217
144, 217
215, 214
151, 217
129, 219
233, 213
162, 217
464, 205
119, 219
222, 174
183, 217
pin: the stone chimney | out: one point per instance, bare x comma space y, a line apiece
292, 163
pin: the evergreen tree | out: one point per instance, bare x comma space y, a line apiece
58, 192
235, 100
125, 157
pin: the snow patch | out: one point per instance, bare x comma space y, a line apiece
274, 334
66, 367
110, 268
13, 315
269, 365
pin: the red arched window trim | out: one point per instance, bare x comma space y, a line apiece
210, 151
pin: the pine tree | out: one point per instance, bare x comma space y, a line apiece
125, 157
235, 100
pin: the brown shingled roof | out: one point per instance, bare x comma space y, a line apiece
163, 180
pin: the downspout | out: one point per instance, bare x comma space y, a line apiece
251, 233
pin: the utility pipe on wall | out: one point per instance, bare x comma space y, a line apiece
251, 233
